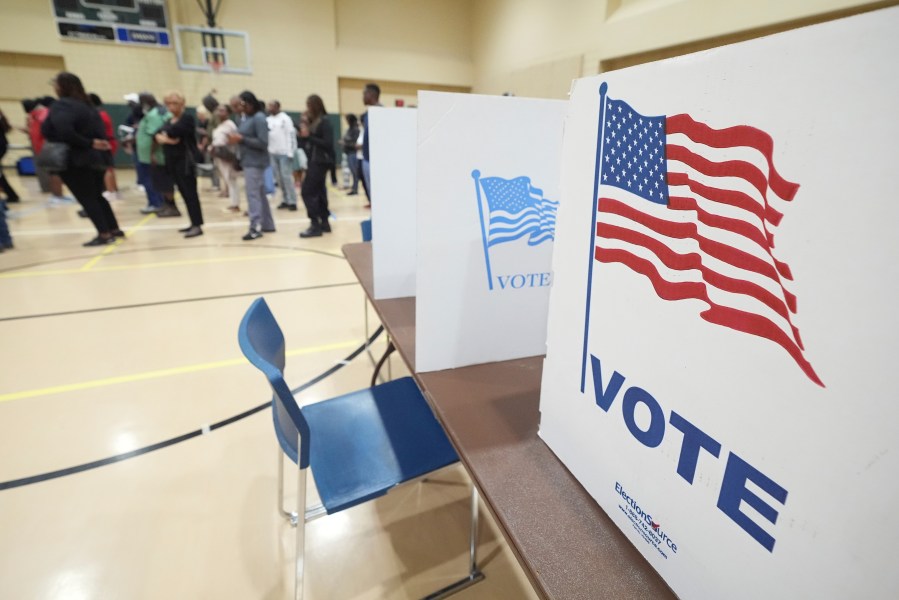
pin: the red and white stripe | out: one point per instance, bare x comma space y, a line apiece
714, 242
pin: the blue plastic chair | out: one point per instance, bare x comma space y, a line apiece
358, 446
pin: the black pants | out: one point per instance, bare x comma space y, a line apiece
187, 185
87, 186
315, 193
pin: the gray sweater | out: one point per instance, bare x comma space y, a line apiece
254, 146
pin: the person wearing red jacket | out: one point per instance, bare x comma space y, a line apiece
37, 111
109, 180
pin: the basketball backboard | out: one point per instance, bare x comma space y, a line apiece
212, 49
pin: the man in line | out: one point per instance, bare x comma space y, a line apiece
135, 114
371, 96
143, 140
151, 161
282, 145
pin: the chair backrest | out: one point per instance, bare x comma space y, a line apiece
262, 342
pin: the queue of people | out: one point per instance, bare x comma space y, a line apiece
74, 143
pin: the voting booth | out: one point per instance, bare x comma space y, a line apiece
722, 329
487, 193
393, 160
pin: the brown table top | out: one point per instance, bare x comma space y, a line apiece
565, 542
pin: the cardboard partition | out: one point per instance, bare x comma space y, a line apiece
723, 328
393, 156
488, 173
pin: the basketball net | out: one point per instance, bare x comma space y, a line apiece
216, 66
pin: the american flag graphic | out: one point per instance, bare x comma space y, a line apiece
692, 208
517, 209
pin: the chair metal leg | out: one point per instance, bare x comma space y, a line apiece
291, 516
301, 534
474, 574
473, 533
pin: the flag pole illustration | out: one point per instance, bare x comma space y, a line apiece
515, 209
603, 88
476, 175
675, 203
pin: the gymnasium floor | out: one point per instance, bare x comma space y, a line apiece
109, 350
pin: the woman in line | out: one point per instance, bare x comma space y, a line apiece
319, 144
224, 155
252, 135
178, 138
75, 122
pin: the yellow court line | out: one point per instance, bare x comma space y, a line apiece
95, 383
108, 249
87, 266
170, 263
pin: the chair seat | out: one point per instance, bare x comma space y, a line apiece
366, 442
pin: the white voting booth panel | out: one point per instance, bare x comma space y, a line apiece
488, 174
722, 332
393, 152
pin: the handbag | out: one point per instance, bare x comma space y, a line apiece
224, 153
53, 157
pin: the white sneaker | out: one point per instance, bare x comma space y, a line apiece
111, 196
61, 200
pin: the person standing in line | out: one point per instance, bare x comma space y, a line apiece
252, 139
333, 172
109, 180
155, 117
319, 142
76, 123
210, 105
225, 155
178, 138
34, 116
237, 109
282, 145
349, 149
371, 96
5, 127
150, 158
135, 114
359, 173
5, 237
300, 160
